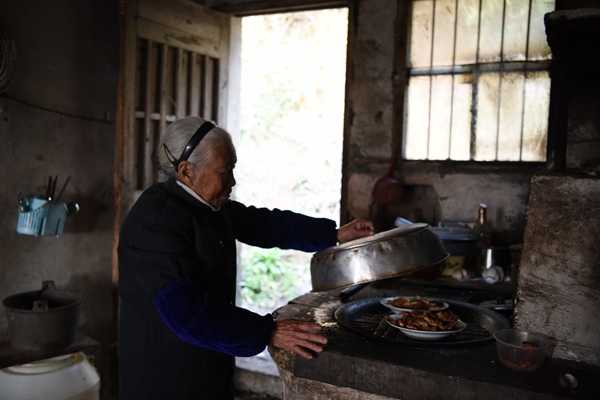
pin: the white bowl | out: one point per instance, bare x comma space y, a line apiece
425, 335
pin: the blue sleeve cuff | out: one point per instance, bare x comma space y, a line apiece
197, 319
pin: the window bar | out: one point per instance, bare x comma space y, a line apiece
150, 174
525, 81
508, 66
431, 76
475, 85
193, 84
500, 82
144, 154
201, 77
163, 89
207, 96
215, 90
453, 77
178, 95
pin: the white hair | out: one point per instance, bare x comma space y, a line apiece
177, 136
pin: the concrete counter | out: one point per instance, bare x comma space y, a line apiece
356, 367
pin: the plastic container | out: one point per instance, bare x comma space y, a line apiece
514, 353
457, 242
39, 217
70, 376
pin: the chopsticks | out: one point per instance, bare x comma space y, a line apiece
48, 188
51, 188
63, 188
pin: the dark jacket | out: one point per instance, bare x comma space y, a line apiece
178, 326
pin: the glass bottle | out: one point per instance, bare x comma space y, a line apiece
482, 228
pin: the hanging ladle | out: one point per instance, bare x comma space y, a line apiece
387, 190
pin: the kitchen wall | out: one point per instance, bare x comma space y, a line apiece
57, 118
441, 190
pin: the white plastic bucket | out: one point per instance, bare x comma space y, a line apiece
71, 376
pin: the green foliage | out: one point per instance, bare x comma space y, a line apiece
268, 276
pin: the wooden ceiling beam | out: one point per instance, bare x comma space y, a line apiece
260, 7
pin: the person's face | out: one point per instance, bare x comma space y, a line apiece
215, 182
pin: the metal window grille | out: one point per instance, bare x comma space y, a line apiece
479, 84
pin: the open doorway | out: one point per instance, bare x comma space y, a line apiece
290, 149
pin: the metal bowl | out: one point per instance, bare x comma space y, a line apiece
384, 255
44, 320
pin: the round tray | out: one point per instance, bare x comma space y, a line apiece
367, 317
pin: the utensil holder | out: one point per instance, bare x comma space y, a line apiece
39, 217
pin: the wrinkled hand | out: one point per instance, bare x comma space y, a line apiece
354, 230
291, 334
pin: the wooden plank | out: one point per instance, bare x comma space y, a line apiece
207, 88
353, 13
558, 118
278, 6
184, 16
194, 84
177, 81
146, 130
180, 84
216, 90
154, 116
125, 173
177, 38
221, 77
124, 163
163, 87
231, 76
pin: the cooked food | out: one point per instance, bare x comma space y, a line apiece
417, 303
426, 320
527, 344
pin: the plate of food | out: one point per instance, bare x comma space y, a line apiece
416, 303
426, 325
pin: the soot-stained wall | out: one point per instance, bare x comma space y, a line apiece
57, 119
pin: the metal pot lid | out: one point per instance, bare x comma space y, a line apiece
384, 255
378, 237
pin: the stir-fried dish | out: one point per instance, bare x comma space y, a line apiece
427, 321
416, 303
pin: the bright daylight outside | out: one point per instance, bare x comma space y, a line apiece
290, 150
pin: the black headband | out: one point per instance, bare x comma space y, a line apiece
189, 148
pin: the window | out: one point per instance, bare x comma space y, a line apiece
479, 83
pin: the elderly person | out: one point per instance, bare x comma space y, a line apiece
179, 328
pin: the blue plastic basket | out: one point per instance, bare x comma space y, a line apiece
39, 217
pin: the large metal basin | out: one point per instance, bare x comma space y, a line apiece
384, 255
